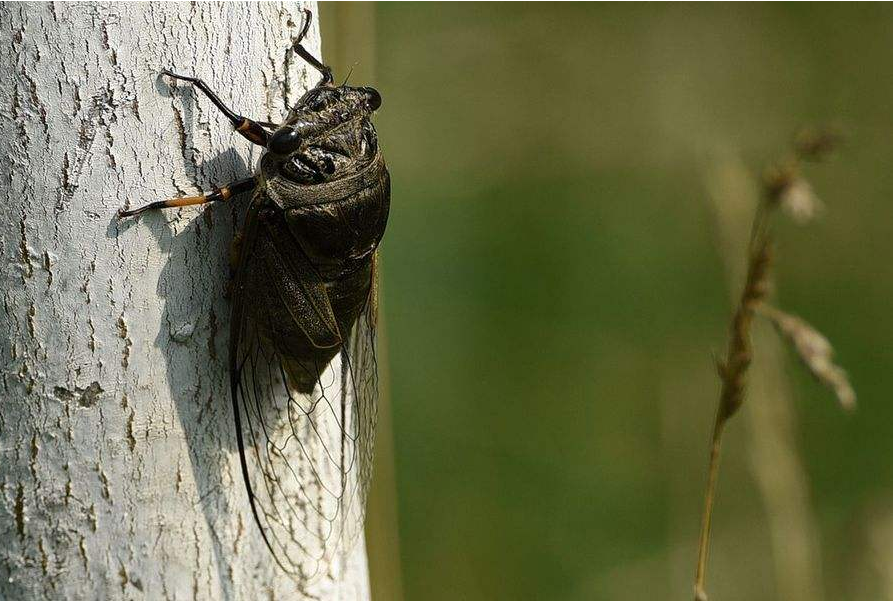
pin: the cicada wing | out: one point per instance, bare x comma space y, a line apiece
306, 455
360, 381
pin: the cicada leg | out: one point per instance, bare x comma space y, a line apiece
220, 194
325, 70
252, 130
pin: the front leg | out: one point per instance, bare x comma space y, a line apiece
251, 130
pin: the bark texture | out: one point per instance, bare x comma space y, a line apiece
119, 474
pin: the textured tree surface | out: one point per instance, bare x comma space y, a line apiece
119, 473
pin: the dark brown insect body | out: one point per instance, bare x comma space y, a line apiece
316, 221
302, 334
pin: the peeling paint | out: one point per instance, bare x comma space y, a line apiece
122, 333
19, 510
49, 259
182, 332
84, 397
25, 252
212, 336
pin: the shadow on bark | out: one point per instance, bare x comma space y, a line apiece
194, 337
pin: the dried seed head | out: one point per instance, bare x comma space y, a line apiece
778, 178
759, 282
815, 351
733, 376
814, 144
799, 201
733, 371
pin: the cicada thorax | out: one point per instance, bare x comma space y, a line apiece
321, 213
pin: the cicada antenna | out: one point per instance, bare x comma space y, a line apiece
327, 77
349, 73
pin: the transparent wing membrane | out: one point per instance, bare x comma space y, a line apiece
307, 456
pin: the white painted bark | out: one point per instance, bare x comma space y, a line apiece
119, 475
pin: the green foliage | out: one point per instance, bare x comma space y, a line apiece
553, 288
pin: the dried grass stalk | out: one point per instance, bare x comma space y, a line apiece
785, 188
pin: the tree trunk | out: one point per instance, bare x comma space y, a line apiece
119, 473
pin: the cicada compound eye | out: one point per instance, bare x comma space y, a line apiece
373, 98
284, 141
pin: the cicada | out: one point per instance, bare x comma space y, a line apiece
302, 334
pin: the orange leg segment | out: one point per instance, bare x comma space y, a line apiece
218, 195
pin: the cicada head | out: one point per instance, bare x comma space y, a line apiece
327, 135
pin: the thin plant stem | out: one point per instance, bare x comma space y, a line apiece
709, 496
732, 372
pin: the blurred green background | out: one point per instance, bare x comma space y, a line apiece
555, 295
